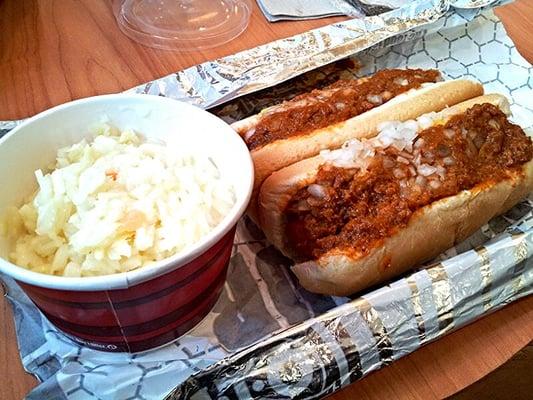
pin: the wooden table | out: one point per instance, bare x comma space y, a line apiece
53, 51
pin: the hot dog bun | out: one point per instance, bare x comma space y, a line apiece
431, 229
281, 153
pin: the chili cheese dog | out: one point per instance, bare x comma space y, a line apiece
361, 214
326, 118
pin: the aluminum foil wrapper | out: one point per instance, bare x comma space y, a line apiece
215, 82
330, 351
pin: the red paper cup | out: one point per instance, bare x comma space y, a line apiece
145, 308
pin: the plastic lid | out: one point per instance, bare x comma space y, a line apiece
183, 24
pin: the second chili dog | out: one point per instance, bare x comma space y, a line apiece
368, 211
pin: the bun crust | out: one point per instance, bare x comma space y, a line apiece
431, 230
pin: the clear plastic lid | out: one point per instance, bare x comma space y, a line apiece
182, 24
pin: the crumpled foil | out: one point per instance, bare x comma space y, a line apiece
325, 353
6, 126
264, 318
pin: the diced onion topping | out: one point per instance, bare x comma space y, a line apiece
434, 184
317, 191
374, 98
401, 81
426, 170
448, 161
357, 153
414, 166
249, 133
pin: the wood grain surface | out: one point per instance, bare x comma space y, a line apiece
53, 51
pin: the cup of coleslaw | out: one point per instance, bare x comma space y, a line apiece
119, 214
